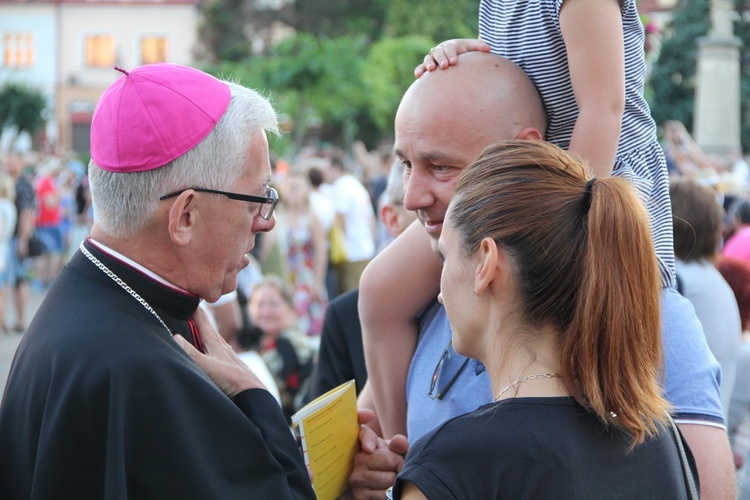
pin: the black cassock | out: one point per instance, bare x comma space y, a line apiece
102, 403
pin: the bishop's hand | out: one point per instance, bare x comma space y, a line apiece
220, 363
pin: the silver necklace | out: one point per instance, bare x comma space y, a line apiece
124, 286
524, 379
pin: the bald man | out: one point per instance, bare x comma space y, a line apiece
442, 125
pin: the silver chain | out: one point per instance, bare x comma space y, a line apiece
124, 286
524, 379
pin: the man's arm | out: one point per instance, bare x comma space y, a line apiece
691, 384
25, 231
713, 456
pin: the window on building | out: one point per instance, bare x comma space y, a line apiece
18, 50
81, 137
99, 51
153, 49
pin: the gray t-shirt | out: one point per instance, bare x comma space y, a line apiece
716, 307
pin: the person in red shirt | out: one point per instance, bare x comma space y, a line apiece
48, 222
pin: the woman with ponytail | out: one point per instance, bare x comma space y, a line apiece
551, 281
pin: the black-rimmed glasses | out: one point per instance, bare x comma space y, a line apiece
444, 376
267, 202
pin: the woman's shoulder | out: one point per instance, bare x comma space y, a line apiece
545, 437
495, 442
505, 424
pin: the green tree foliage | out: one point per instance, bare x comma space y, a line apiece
742, 31
22, 107
673, 74
222, 30
387, 73
341, 17
312, 80
437, 19
344, 72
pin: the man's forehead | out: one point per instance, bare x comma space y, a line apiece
417, 142
437, 143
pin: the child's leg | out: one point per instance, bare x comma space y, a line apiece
394, 288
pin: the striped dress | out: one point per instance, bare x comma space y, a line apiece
528, 33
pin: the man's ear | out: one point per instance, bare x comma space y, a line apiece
530, 133
182, 217
389, 218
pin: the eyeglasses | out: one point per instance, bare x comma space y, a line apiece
267, 202
443, 378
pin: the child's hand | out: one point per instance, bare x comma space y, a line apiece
446, 54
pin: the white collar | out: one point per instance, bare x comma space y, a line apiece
114, 253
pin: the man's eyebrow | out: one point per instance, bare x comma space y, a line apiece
435, 157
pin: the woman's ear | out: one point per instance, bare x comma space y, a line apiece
486, 265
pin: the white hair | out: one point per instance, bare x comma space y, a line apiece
125, 202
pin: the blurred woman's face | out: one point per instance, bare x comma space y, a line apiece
269, 311
294, 190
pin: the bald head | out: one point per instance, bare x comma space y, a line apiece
494, 95
447, 118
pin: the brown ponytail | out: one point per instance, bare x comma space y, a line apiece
585, 264
614, 340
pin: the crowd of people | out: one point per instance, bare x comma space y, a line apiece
494, 296
46, 212
710, 199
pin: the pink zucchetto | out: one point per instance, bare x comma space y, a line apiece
154, 114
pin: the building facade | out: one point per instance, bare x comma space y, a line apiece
69, 49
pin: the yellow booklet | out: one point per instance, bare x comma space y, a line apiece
328, 428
